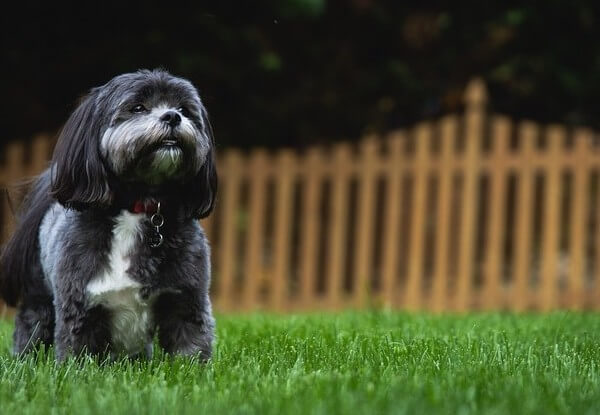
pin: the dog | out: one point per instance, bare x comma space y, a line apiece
108, 252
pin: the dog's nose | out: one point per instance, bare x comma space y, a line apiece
171, 118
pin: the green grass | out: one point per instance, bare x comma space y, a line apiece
352, 363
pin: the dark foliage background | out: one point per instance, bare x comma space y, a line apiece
294, 72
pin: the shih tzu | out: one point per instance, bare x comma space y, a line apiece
108, 250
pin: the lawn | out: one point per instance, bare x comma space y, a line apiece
351, 363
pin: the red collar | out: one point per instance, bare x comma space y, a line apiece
144, 206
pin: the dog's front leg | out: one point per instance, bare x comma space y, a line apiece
185, 324
80, 329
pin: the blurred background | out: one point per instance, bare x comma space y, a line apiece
293, 72
299, 86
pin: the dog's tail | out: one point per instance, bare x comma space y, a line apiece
20, 260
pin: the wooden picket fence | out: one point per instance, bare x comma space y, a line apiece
471, 211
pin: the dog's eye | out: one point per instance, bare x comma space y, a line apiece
184, 111
138, 108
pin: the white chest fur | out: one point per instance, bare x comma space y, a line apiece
131, 316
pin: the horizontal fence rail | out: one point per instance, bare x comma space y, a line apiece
470, 211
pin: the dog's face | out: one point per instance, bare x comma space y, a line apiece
146, 128
155, 128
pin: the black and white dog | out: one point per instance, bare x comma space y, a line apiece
108, 250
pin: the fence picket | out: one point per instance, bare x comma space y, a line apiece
337, 227
366, 216
501, 130
14, 171
253, 265
596, 246
551, 227
448, 132
475, 98
528, 132
286, 163
392, 212
413, 297
579, 215
40, 153
309, 245
229, 232
207, 225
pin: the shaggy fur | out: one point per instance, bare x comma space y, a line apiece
80, 266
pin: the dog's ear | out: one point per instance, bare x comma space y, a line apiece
79, 177
201, 193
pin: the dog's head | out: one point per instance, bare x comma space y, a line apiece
146, 129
